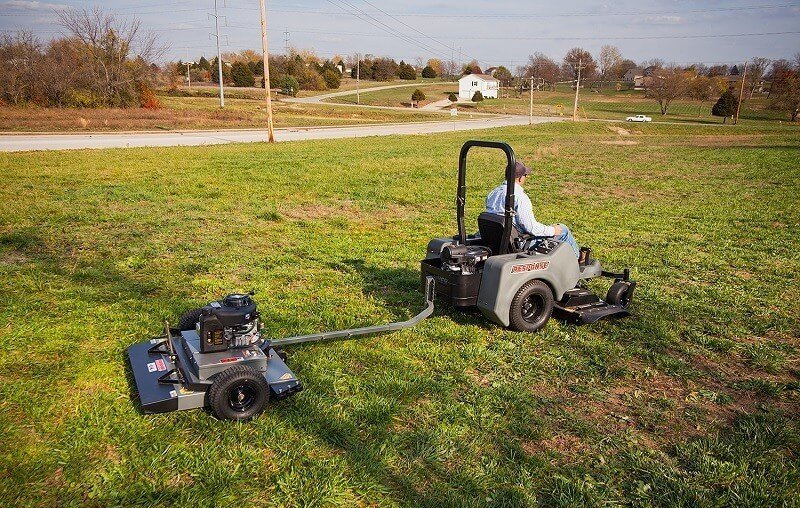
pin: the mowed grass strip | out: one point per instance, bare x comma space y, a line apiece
693, 401
200, 112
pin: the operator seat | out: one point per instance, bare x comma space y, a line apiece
490, 226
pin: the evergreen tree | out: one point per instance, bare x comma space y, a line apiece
725, 106
226, 72
477, 96
204, 64
242, 75
428, 72
417, 96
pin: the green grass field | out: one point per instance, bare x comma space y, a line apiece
693, 401
604, 104
434, 91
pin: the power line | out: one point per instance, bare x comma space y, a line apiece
386, 27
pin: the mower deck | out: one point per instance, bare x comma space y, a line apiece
163, 387
580, 305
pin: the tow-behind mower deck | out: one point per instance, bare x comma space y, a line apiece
218, 358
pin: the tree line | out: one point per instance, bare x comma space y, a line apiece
101, 62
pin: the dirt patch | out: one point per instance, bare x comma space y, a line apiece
564, 444
546, 151
479, 378
618, 130
620, 142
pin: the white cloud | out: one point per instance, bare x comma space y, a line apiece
33, 5
664, 20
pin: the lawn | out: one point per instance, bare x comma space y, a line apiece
609, 104
434, 91
692, 401
242, 110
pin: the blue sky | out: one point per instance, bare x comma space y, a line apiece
497, 32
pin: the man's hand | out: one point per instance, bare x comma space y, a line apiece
557, 229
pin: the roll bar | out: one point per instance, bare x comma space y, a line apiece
461, 195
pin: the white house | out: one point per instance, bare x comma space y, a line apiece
483, 83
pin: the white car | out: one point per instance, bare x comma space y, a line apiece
639, 118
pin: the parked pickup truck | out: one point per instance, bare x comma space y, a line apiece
639, 118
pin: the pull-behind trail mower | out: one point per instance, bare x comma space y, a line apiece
218, 357
515, 280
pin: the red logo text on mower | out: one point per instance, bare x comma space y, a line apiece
530, 267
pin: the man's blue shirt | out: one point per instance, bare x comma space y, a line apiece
523, 209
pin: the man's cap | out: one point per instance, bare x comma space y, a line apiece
521, 170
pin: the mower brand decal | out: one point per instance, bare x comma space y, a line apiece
151, 367
530, 267
173, 394
286, 377
160, 365
230, 359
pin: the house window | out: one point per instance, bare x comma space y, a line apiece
474, 83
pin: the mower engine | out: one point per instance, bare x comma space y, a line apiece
230, 323
466, 259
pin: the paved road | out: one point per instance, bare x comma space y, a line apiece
25, 142
314, 99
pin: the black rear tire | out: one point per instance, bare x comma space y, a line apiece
238, 393
618, 294
531, 307
189, 320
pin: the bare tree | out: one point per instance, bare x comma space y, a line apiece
117, 53
667, 85
450, 68
755, 72
610, 57
571, 60
701, 89
543, 67
20, 57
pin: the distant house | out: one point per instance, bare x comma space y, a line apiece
490, 71
634, 77
483, 83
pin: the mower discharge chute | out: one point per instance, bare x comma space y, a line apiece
515, 280
217, 357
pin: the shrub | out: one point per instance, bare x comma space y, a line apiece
332, 78
417, 96
452, 97
147, 97
477, 96
288, 85
428, 72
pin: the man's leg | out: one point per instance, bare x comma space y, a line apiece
566, 236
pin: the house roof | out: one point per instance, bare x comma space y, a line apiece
484, 77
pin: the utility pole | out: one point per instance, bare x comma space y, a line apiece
358, 78
188, 65
530, 118
267, 89
286, 41
741, 93
577, 89
219, 57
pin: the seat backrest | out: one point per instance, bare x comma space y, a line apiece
490, 226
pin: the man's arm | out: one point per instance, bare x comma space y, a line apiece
527, 222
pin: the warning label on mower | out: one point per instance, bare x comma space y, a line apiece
530, 267
160, 365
